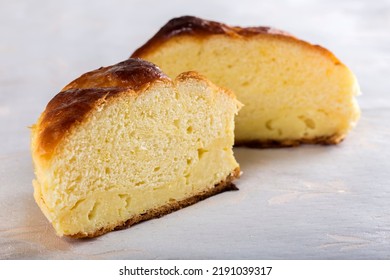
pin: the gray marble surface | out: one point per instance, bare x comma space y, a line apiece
310, 202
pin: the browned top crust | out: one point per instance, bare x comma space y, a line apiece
131, 73
77, 99
190, 25
194, 26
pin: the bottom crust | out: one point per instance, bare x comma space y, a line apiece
225, 185
322, 140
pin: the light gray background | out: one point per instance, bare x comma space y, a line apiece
310, 202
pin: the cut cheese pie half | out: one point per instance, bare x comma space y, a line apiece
294, 92
125, 143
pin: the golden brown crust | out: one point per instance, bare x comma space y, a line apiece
131, 73
87, 92
225, 185
200, 28
323, 140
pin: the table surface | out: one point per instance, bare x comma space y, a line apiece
310, 202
